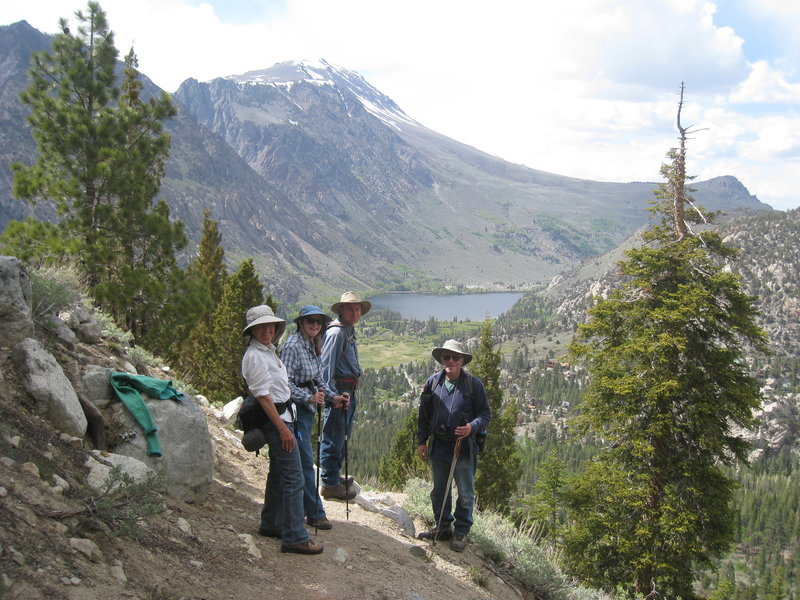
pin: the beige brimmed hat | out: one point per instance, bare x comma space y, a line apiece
351, 298
263, 314
453, 346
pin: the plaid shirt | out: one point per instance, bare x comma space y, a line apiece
302, 365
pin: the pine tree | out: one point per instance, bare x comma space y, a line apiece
665, 353
402, 462
208, 271
209, 264
101, 154
499, 465
219, 372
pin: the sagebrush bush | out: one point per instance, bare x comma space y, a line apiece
55, 289
520, 553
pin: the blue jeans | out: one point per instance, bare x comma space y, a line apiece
312, 503
337, 421
464, 476
283, 496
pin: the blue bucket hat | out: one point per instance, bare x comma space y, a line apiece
310, 311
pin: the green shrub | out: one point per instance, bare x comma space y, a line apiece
55, 289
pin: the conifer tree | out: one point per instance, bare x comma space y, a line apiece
402, 462
219, 372
668, 383
499, 465
209, 264
101, 154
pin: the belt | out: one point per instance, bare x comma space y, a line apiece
346, 383
306, 384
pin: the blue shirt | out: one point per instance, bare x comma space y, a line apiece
302, 364
340, 359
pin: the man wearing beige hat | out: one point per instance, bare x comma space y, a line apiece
453, 414
341, 371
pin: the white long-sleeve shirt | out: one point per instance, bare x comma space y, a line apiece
265, 374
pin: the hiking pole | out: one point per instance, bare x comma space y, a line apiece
319, 444
345, 410
456, 451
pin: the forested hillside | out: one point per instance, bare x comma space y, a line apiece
533, 336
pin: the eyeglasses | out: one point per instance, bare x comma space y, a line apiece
445, 357
317, 321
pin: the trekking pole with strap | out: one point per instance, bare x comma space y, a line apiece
319, 444
345, 410
456, 452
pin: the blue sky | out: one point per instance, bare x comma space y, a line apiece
587, 88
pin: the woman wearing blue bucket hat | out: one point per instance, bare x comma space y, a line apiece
309, 391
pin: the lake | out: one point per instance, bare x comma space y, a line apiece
446, 307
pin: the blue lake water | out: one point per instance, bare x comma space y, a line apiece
446, 307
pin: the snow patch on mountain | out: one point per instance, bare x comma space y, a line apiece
287, 74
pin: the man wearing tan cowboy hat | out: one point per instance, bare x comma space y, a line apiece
453, 411
341, 371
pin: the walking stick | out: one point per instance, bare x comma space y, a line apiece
319, 443
346, 462
456, 452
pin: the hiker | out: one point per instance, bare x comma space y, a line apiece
309, 391
341, 372
265, 374
453, 413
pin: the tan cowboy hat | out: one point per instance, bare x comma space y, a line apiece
263, 314
453, 346
351, 298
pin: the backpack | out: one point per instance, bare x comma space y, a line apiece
252, 416
338, 323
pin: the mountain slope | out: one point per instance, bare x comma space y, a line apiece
339, 147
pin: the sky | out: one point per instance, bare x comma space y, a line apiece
584, 88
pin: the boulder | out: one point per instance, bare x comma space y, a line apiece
187, 460
16, 322
45, 381
101, 463
96, 386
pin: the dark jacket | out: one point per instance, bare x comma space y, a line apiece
440, 412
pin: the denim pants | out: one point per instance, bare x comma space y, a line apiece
312, 503
464, 476
283, 496
333, 439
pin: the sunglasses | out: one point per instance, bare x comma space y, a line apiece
317, 321
450, 357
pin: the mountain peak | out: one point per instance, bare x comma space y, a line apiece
320, 72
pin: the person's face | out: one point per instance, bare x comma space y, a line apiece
311, 326
452, 362
264, 332
350, 313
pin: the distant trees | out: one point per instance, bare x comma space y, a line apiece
218, 369
668, 383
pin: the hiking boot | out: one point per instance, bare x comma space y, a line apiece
254, 440
321, 523
270, 533
337, 492
348, 481
459, 542
436, 534
307, 547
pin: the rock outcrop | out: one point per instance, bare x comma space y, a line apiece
66, 375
